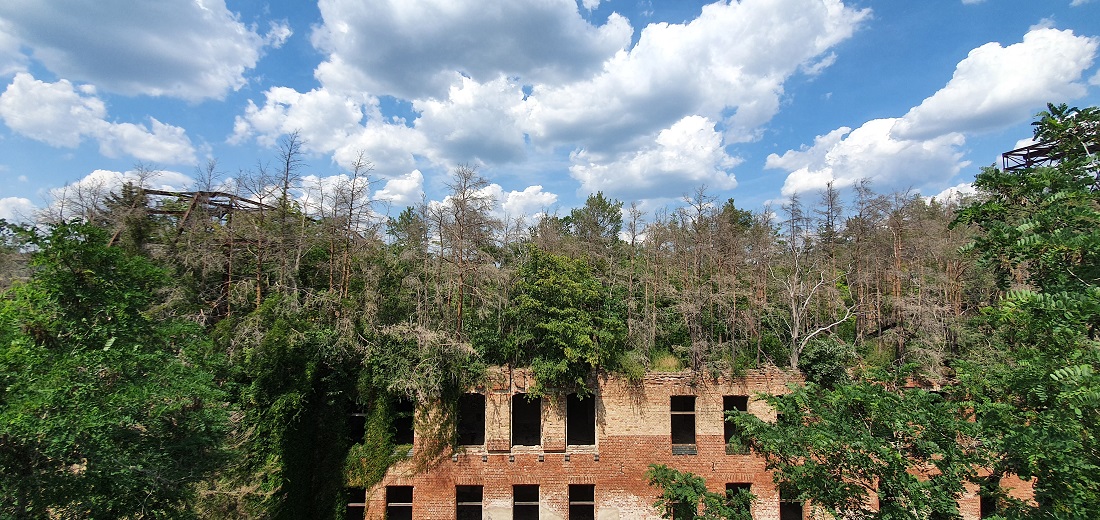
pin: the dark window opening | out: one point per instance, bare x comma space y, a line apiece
582, 502
471, 419
731, 404
790, 508
401, 423
683, 421
468, 502
357, 427
525, 502
526, 420
736, 496
580, 420
987, 497
357, 504
399, 502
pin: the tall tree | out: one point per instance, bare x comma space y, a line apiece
809, 303
562, 322
465, 227
108, 410
1039, 394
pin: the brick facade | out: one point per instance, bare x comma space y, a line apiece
633, 430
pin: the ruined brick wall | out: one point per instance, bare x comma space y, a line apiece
633, 430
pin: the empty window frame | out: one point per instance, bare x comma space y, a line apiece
580, 420
526, 420
683, 424
468, 502
399, 502
735, 497
987, 497
357, 422
401, 421
471, 419
357, 504
790, 508
731, 404
525, 502
582, 502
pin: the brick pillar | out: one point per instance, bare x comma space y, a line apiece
553, 423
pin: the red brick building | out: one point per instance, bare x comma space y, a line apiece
568, 458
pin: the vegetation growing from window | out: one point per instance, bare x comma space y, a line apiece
684, 495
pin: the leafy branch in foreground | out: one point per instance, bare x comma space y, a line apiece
107, 412
868, 449
683, 493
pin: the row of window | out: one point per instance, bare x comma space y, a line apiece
580, 426
682, 409
525, 502
468, 502
580, 421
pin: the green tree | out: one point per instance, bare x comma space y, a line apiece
106, 408
561, 321
1038, 394
865, 441
295, 375
682, 494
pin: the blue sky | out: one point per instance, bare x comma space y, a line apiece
552, 100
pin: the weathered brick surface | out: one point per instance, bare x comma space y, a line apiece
633, 430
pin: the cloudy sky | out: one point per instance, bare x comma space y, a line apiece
550, 99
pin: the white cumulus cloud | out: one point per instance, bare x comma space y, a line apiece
63, 115
11, 59
955, 193
729, 65
403, 191
324, 120
414, 48
684, 156
334, 124
476, 122
191, 49
993, 87
870, 152
997, 86
17, 209
529, 202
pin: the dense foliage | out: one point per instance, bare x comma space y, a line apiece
250, 335
1024, 397
685, 496
108, 410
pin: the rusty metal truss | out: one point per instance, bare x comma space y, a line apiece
1031, 156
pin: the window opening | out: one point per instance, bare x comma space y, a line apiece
471, 419
683, 424
582, 502
580, 420
525, 502
468, 502
987, 497
790, 508
733, 403
401, 423
526, 420
735, 498
357, 504
357, 424
399, 503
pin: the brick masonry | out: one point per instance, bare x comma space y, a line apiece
633, 430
